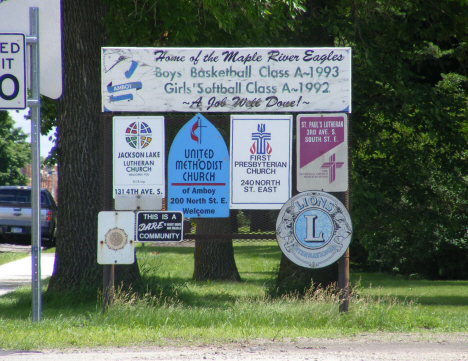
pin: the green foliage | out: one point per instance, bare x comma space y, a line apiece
213, 23
15, 152
409, 126
48, 123
409, 133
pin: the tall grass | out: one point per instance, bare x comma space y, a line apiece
174, 308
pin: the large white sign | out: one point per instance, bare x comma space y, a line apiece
138, 149
260, 167
14, 18
226, 79
322, 152
12, 71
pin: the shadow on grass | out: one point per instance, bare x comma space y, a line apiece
442, 300
452, 301
161, 250
18, 304
267, 251
424, 292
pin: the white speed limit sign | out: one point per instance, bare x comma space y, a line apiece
12, 71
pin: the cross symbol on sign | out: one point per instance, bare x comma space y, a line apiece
331, 165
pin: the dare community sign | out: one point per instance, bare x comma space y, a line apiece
226, 79
260, 167
159, 226
198, 167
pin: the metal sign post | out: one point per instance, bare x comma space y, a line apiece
35, 104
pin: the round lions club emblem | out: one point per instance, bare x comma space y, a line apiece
313, 229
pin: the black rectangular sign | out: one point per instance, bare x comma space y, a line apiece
159, 226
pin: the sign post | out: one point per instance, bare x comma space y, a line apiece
35, 104
22, 16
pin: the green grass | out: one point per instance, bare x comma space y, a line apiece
7, 257
181, 310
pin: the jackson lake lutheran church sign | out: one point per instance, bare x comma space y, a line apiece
313, 84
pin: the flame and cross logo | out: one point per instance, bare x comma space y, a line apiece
261, 146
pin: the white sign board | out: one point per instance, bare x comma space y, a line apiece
116, 238
138, 154
12, 71
322, 152
260, 167
14, 18
226, 79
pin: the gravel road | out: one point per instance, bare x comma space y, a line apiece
369, 347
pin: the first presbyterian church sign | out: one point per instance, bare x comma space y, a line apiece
226, 79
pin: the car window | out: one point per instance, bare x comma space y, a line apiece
21, 196
44, 199
7, 197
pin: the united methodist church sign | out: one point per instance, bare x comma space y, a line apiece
226, 79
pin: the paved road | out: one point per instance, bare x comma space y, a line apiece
18, 273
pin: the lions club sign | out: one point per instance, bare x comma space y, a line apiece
313, 229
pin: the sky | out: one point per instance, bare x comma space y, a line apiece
25, 124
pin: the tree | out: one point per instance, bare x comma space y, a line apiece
409, 133
78, 148
15, 152
214, 258
409, 123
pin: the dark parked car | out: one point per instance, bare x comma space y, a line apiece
16, 215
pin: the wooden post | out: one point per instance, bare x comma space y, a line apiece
343, 281
108, 289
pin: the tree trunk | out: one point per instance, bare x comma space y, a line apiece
296, 279
78, 147
291, 277
214, 258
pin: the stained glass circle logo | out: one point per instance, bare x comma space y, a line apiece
138, 135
